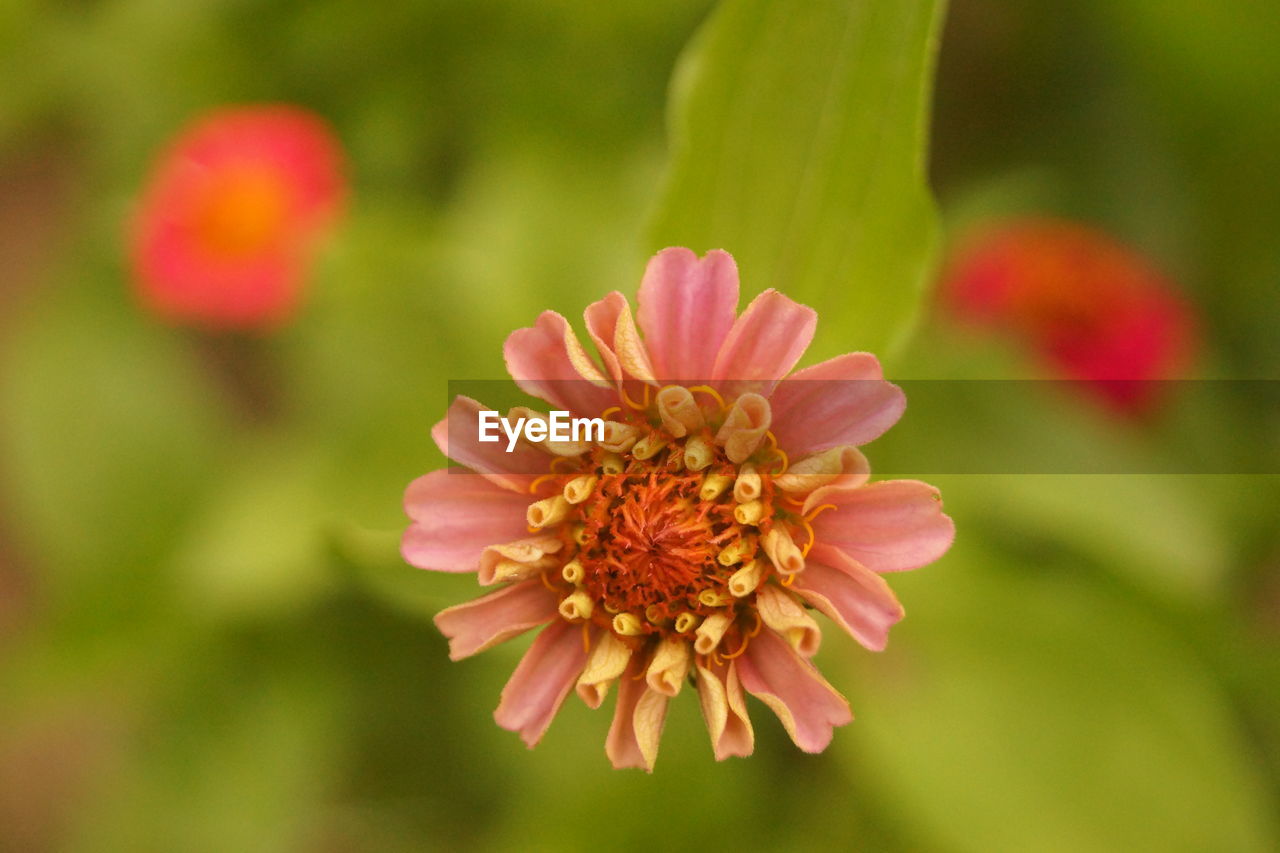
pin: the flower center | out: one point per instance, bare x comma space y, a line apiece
661, 535
649, 544
243, 213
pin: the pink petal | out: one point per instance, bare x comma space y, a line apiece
887, 526
547, 361
614, 333
455, 517
854, 597
496, 617
458, 437
544, 677
765, 343
724, 710
807, 705
841, 401
637, 722
686, 310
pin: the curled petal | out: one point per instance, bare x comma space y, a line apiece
455, 516
608, 660
555, 448
784, 615
547, 361
744, 427
637, 723
824, 468
686, 310
614, 333
517, 560
888, 526
841, 401
495, 618
807, 705
854, 597
458, 437
765, 343
679, 411
670, 665
543, 678
725, 710
782, 551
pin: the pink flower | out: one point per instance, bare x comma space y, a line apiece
723, 502
231, 216
1090, 308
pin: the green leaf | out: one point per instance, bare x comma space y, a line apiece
798, 133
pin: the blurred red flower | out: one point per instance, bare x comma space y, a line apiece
229, 221
1092, 309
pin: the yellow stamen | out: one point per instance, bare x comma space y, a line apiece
749, 513
649, 446
686, 622
533, 487
573, 572
786, 462
711, 598
746, 638
714, 486
707, 389
627, 625
586, 637
577, 605
612, 463
814, 513
547, 512
698, 454
748, 486
610, 411
804, 522
579, 489
736, 551
807, 522
640, 407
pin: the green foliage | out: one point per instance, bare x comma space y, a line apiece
798, 137
1024, 708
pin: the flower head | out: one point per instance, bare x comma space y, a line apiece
1092, 309
721, 503
229, 220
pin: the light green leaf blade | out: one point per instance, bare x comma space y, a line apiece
798, 133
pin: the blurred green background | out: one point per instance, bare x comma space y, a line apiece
207, 639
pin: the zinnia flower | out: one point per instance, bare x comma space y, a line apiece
1092, 309
722, 503
230, 218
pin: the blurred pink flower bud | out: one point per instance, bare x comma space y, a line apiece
230, 218
1090, 308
